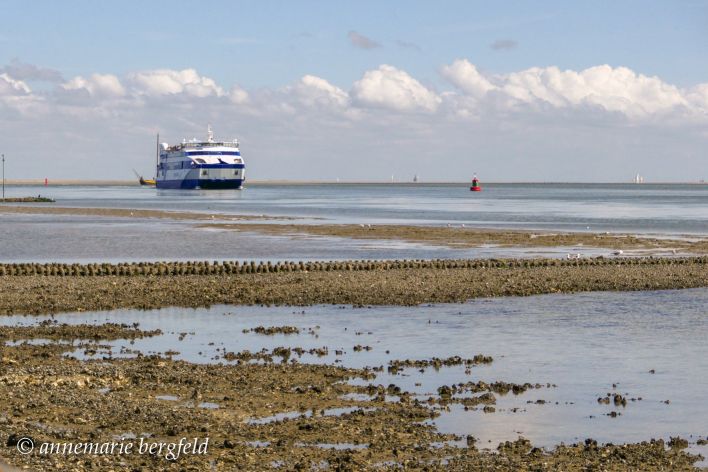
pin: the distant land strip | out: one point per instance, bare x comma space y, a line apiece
264, 182
51, 288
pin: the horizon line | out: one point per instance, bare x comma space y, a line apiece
133, 182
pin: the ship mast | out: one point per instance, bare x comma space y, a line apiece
210, 134
157, 154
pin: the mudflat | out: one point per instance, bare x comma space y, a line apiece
276, 413
130, 213
52, 288
465, 237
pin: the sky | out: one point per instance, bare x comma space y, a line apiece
366, 90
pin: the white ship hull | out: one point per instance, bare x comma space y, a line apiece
201, 165
202, 178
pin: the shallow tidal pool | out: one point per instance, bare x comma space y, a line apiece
647, 346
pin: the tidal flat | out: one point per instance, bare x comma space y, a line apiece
461, 236
53, 288
121, 212
271, 408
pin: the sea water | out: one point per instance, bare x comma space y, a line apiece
655, 210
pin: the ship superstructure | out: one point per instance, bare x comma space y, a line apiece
198, 164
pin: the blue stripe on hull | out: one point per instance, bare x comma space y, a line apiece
220, 166
200, 183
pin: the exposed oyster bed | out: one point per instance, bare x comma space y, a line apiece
269, 412
50, 288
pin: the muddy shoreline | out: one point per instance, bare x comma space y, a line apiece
469, 237
52, 288
132, 213
38, 199
50, 397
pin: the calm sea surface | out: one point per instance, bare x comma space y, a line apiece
644, 209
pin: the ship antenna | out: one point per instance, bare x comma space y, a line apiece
210, 134
157, 154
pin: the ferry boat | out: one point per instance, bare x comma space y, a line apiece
198, 164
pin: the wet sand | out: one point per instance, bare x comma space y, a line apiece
49, 397
52, 288
26, 200
459, 237
132, 213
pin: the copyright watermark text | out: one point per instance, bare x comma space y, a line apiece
139, 446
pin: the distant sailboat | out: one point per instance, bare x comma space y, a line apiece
415, 178
638, 179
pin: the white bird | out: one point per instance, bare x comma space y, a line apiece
619, 252
463, 225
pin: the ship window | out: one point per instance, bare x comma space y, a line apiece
236, 172
200, 160
204, 172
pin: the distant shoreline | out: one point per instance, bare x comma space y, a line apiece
135, 183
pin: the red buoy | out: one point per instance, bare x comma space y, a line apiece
475, 185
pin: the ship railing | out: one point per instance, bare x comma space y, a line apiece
202, 145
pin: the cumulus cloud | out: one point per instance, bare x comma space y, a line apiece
97, 85
12, 87
698, 97
16, 96
238, 95
464, 75
24, 71
160, 82
591, 92
388, 87
502, 44
314, 91
602, 87
362, 42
